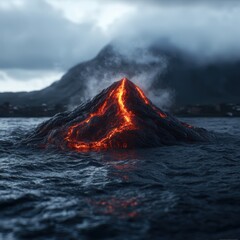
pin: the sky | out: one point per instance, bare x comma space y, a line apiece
41, 39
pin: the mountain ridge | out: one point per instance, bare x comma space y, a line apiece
192, 83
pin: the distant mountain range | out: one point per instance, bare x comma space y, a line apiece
190, 81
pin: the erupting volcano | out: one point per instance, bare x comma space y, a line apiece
121, 116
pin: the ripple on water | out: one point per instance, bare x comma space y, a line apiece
178, 192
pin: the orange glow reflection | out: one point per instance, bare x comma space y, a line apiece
123, 208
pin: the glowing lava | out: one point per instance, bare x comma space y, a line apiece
120, 116
142, 95
126, 121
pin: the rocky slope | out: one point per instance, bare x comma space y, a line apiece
121, 116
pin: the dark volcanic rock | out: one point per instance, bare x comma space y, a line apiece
120, 116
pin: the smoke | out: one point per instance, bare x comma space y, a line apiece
141, 66
205, 32
162, 98
68, 32
94, 85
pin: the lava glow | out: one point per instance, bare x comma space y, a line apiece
125, 118
124, 208
119, 117
126, 122
142, 95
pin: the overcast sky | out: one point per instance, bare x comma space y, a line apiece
41, 39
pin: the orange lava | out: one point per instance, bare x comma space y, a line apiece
142, 95
187, 125
125, 116
126, 123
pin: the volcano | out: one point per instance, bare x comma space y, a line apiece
121, 116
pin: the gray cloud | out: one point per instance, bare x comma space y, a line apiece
216, 3
37, 36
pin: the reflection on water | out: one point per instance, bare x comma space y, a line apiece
119, 207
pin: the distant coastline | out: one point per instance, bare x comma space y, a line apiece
44, 110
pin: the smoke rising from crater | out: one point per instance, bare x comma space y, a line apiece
205, 31
141, 66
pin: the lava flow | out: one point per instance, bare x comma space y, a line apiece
126, 121
121, 116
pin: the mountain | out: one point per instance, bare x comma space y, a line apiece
121, 116
70, 88
165, 68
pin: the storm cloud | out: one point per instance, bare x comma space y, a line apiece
208, 31
54, 35
34, 35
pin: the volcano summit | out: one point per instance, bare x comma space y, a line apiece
121, 116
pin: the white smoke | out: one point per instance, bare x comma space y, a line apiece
162, 98
152, 67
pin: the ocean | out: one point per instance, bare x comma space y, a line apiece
186, 191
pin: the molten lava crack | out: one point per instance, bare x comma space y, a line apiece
126, 121
142, 95
121, 116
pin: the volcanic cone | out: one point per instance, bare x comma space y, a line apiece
121, 116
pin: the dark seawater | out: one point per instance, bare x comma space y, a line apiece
178, 192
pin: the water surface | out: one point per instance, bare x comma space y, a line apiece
178, 192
